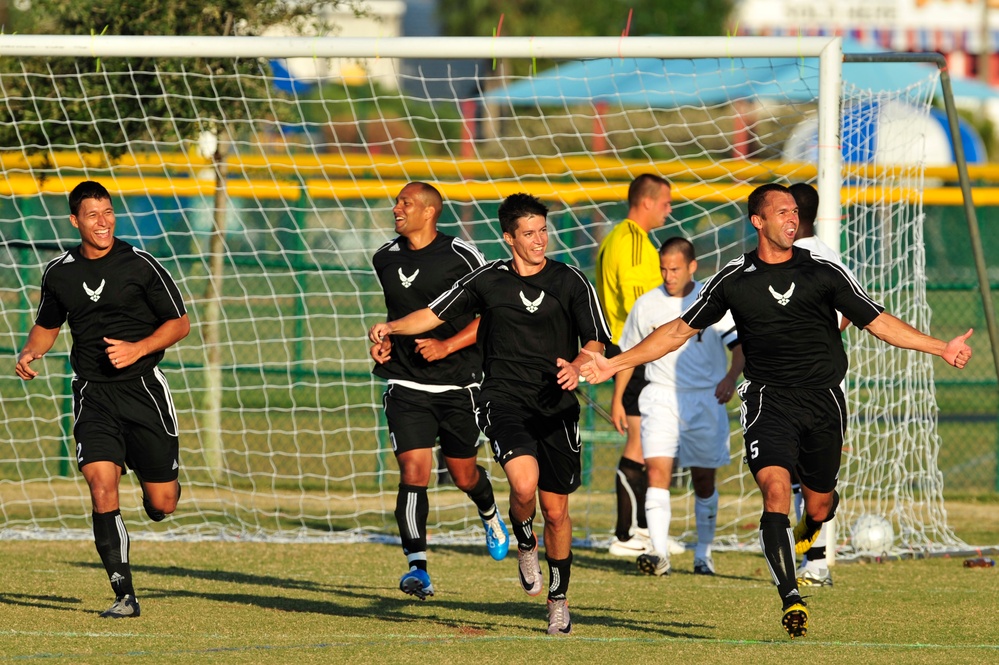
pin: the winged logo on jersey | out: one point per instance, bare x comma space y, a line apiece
407, 281
532, 305
95, 294
782, 298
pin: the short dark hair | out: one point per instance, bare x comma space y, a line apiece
678, 244
644, 186
758, 197
431, 197
88, 189
519, 205
808, 202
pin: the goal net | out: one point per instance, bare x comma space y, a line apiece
266, 196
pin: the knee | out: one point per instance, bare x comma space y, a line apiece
104, 497
556, 516
464, 478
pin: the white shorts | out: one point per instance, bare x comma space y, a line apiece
690, 426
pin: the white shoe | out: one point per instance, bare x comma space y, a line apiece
630, 548
675, 546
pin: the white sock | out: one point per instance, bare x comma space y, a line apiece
658, 513
706, 517
816, 565
799, 503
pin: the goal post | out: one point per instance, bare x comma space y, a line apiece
282, 436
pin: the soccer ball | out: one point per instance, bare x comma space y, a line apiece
872, 534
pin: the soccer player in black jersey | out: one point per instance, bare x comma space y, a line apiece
784, 301
536, 313
433, 381
124, 310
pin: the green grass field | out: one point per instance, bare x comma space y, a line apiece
231, 602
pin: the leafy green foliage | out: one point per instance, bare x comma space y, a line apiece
58, 103
524, 18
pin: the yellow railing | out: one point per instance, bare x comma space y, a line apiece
572, 179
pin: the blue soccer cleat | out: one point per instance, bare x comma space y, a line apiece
497, 537
416, 583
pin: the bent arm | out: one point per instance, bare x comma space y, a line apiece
40, 340
900, 334
169, 333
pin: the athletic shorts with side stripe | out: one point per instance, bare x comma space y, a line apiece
131, 423
553, 440
799, 429
417, 418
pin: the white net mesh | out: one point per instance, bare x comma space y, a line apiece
282, 435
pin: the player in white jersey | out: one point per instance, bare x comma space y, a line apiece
683, 406
814, 570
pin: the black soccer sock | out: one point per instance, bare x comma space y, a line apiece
113, 545
777, 542
482, 494
524, 531
411, 510
558, 573
631, 485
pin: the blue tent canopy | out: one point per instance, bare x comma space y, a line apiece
674, 83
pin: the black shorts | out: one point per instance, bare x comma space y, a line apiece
131, 423
553, 440
798, 429
635, 386
417, 418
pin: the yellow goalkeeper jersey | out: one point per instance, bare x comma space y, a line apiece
627, 267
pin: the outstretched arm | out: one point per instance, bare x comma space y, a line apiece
898, 333
665, 339
435, 349
413, 323
40, 340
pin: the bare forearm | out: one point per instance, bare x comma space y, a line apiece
665, 339
40, 340
415, 323
464, 338
169, 333
898, 333
621, 380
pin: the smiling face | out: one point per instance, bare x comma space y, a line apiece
777, 223
529, 243
411, 212
95, 219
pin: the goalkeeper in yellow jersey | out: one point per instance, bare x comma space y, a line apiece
627, 267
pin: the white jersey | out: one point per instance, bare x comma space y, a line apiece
701, 362
821, 250
824, 251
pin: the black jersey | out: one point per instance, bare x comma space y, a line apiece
410, 280
528, 322
786, 316
126, 294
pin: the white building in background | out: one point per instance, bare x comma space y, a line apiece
383, 19
951, 27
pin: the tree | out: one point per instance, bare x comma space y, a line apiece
113, 105
524, 18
